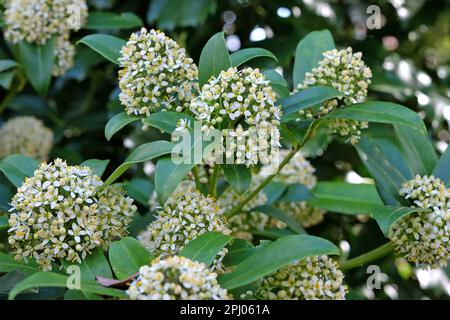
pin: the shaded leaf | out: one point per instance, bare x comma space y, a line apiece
386, 216
278, 214
205, 248
117, 122
111, 20
242, 56
17, 167
239, 176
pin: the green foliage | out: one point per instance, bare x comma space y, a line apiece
205, 248
214, 58
106, 45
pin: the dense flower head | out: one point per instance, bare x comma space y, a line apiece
234, 95
176, 278
346, 72
185, 216
61, 213
423, 237
37, 21
25, 135
156, 74
312, 278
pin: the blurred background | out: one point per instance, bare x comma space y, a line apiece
408, 52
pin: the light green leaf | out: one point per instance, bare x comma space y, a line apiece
111, 20
142, 153
37, 62
117, 122
17, 167
239, 176
205, 247
309, 53
166, 121
214, 58
345, 198
380, 112
274, 256
139, 189
282, 216
127, 256
96, 165
107, 46
386, 216
50, 279
242, 56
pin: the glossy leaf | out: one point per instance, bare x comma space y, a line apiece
214, 58
277, 82
239, 177
295, 193
242, 56
106, 45
93, 265
8, 263
111, 20
386, 216
166, 121
274, 256
273, 190
96, 165
139, 189
17, 167
205, 247
127, 256
282, 216
442, 168
117, 122
7, 64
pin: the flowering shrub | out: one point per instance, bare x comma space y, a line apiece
257, 176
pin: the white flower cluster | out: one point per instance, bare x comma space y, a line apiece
346, 72
36, 21
235, 95
156, 74
25, 135
59, 213
176, 278
423, 238
185, 216
312, 278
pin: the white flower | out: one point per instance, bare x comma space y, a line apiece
25, 135
59, 213
176, 278
156, 74
312, 278
235, 95
423, 237
186, 215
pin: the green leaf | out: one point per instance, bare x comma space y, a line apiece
273, 190
37, 62
274, 256
442, 168
242, 56
417, 148
139, 189
80, 295
272, 233
93, 265
166, 121
6, 78
4, 223
295, 193
387, 166
214, 58
142, 153
345, 198
239, 176
205, 247
9, 280
96, 165
5, 198
386, 216
127, 256
309, 53
7, 64
277, 82
8, 263
17, 167
307, 98
239, 250
117, 122
380, 112
51, 279
111, 20
107, 46
276, 213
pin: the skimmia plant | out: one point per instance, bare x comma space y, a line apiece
234, 193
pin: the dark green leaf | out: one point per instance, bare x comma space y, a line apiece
7, 64
274, 256
111, 20
295, 193
17, 167
205, 247
93, 265
242, 56
239, 176
282, 216
277, 82
166, 121
117, 122
96, 165
37, 62
309, 53
214, 58
273, 190
386, 216
127, 256
8, 263
139, 189
80, 295
104, 44
4, 223
6, 78
442, 168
